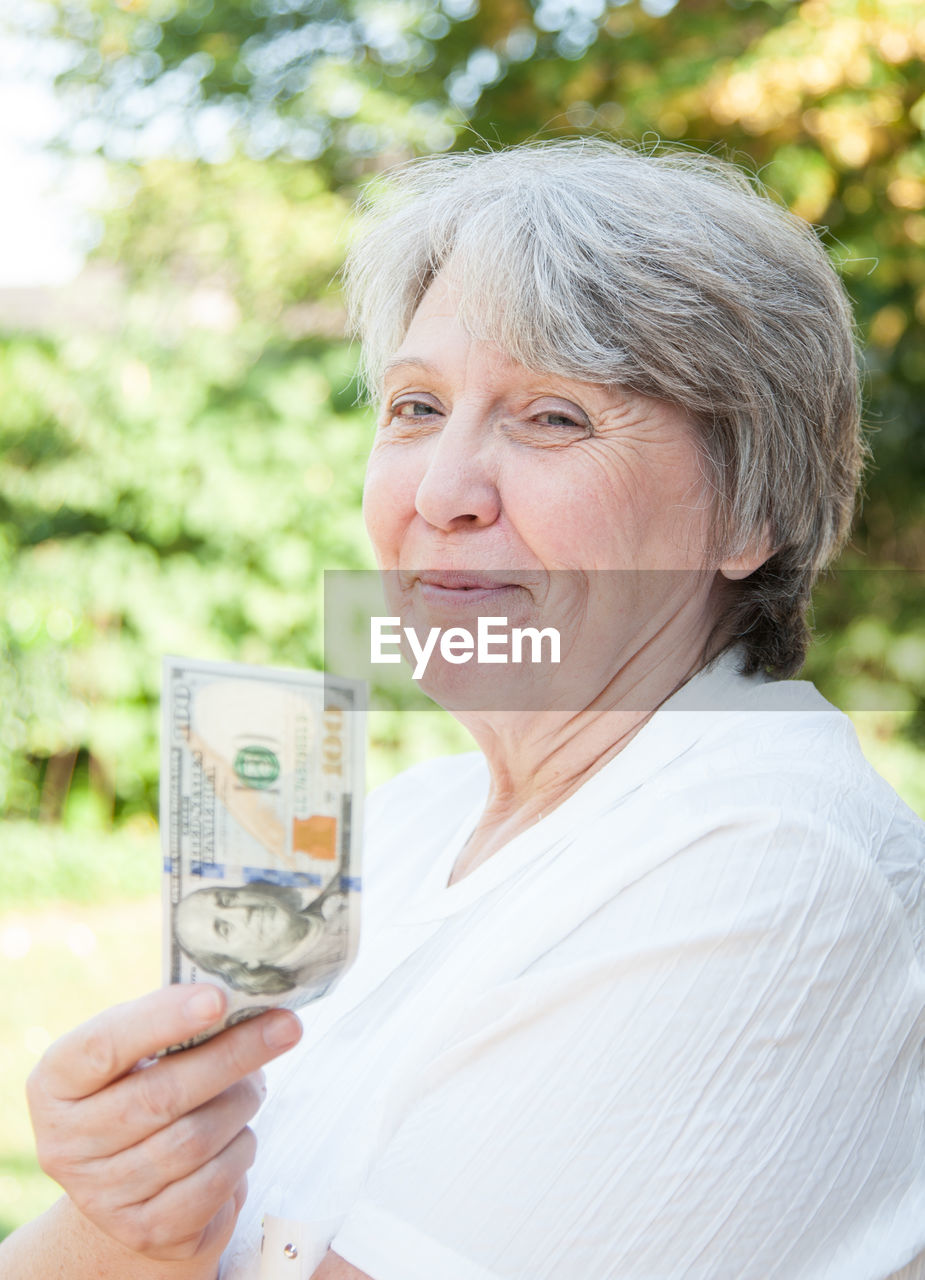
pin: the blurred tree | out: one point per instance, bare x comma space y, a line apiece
177, 478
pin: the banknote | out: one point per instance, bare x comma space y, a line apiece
262, 781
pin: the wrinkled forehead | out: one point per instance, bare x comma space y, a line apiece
447, 321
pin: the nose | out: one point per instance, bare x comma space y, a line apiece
458, 488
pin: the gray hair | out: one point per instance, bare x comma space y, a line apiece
671, 274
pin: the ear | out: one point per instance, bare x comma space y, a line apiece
750, 558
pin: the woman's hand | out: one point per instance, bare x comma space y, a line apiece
155, 1155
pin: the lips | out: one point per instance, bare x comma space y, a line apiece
462, 580
464, 588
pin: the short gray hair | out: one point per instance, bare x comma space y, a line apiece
670, 273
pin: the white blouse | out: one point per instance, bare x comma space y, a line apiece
674, 1031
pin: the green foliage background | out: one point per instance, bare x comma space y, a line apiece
176, 475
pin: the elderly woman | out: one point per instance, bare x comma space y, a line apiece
640, 992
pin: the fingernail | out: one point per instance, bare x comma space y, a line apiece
204, 1005
281, 1032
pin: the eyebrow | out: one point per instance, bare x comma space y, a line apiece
398, 361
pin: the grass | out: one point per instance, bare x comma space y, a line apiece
59, 964
41, 863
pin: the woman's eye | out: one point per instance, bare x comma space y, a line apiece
410, 409
222, 929
552, 418
563, 420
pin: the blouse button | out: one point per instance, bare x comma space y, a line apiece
290, 1251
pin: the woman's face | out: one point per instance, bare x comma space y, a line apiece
576, 502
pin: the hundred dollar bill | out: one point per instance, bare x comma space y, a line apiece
261, 791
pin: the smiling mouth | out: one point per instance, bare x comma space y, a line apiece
461, 588
460, 580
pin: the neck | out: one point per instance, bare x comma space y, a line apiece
537, 761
